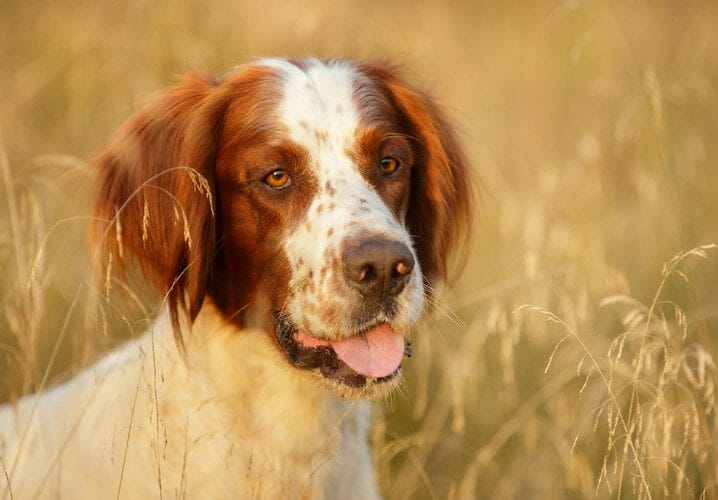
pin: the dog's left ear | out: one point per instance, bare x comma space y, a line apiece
155, 201
442, 198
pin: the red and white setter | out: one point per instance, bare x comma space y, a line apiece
292, 214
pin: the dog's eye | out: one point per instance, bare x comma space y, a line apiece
389, 165
278, 179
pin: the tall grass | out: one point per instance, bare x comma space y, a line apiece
573, 356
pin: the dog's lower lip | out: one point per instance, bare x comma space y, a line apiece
322, 359
374, 353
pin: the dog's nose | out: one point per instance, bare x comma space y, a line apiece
377, 268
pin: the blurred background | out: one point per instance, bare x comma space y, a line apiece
572, 356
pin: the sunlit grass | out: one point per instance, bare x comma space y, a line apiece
592, 127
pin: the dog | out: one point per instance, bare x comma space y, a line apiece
293, 215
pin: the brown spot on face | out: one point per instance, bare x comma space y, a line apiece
300, 262
330, 189
320, 208
311, 274
364, 208
304, 125
332, 206
330, 232
321, 136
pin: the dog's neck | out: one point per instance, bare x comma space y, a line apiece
231, 418
233, 389
245, 373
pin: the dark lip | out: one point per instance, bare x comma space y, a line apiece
324, 358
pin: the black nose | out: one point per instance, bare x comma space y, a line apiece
377, 268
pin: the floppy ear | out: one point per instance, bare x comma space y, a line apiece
441, 198
155, 193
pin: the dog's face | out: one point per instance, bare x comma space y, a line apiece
313, 199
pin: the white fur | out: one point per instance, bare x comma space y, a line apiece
234, 421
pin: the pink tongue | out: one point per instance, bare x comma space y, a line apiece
374, 353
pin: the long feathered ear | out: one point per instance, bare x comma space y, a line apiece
155, 193
442, 199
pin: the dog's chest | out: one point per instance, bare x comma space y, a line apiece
144, 423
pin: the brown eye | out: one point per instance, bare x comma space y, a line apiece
278, 179
389, 165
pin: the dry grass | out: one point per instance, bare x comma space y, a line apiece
575, 354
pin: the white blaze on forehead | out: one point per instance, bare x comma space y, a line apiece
318, 101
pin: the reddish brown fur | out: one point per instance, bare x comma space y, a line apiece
372, 145
227, 132
222, 131
146, 169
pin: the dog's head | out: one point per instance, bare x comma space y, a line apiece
314, 198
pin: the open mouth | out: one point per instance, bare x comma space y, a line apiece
373, 354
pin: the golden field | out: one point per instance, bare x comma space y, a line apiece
574, 353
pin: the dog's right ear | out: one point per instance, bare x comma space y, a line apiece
155, 193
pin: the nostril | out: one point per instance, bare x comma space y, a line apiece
366, 273
403, 267
400, 269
